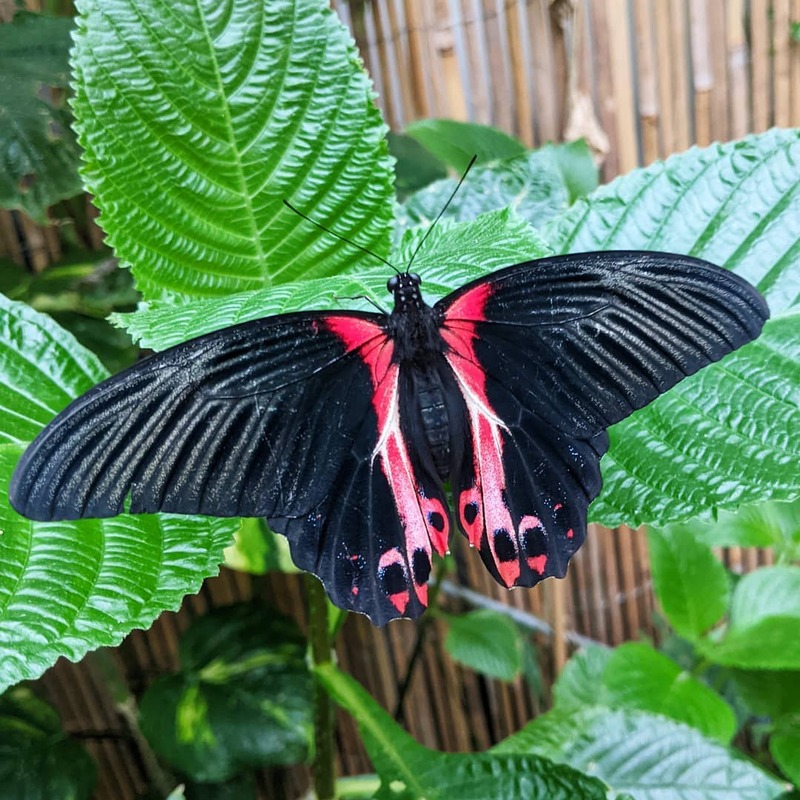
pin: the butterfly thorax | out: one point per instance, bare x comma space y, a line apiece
413, 325
414, 328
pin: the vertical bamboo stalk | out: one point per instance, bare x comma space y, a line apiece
401, 69
523, 113
612, 590
680, 81
384, 90
794, 70
626, 551
601, 28
594, 543
455, 101
703, 76
543, 67
557, 594
760, 63
622, 80
665, 78
781, 44
419, 96
648, 80
738, 85
717, 42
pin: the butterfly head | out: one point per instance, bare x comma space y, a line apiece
405, 288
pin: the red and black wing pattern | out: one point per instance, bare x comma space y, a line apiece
372, 538
277, 418
549, 354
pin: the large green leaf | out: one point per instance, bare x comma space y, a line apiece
38, 761
725, 436
636, 676
198, 120
639, 677
409, 770
533, 184
689, 582
485, 641
68, 587
457, 254
785, 749
649, 756
243, 698
580, 683
38, 152
762, 631
455, 143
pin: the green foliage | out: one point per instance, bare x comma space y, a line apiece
637, 677
256, 549
763, 623
774, 525
68, 587
214, 120
458, 253
79, 295
532, 184
243, 698
455, 143
485, 641
725, 436
409, 770
38, 151
576, 163
414, 166
690, 582
37, 760
644, 754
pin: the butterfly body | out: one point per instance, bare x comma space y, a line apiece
342, 429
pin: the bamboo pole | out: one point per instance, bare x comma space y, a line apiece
718, 102
455, 101
703, 75
794, 70
622, 79
648, 80
738, 84
759, 63
781, 45
523, 112
678, 56
419, 96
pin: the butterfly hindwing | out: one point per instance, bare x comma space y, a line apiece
371, 539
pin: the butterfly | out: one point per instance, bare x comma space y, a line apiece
343, 428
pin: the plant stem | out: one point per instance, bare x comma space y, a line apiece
320, 641
422, 629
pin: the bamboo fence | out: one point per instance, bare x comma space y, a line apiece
639, 79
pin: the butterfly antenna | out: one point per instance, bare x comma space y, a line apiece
444, 208
339, 236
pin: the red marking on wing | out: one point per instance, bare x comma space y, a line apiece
413, 507
487, 432
470, 306
538, 563
570, 533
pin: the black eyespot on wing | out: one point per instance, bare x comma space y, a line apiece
470, 512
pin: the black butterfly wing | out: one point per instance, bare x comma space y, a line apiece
371, 538
548, 354
292, 418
